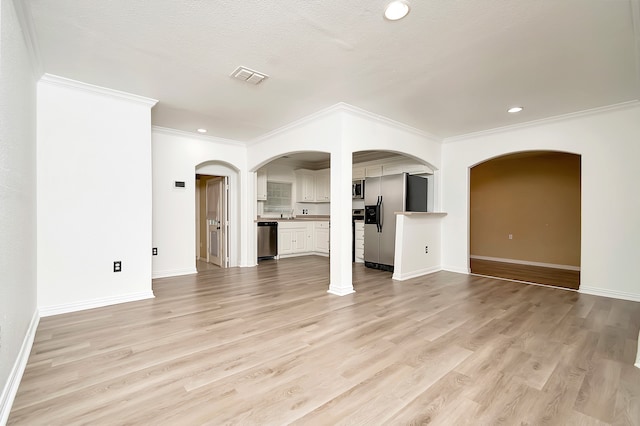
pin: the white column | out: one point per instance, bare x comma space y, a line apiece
248, 234
341, 282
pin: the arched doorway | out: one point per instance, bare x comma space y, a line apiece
293, 192
217, 215
524, 218
379, 174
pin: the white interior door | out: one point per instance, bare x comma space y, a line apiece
217, 221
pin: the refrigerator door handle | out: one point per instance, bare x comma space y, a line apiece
381, 215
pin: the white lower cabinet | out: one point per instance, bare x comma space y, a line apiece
359, 242
302, 238
294, 238
321, 237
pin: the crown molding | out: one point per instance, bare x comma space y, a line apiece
344, 107
25, 20
190, 135
543, 121
380, 118
55, 80
297, 123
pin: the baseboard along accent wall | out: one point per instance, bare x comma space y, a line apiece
526, 262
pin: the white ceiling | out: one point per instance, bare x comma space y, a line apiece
449, 68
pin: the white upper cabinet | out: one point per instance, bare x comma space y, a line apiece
357, 173
404, 167
373, 171
261, 185
313, 186
305, 186
323, 186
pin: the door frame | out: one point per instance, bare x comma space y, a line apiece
223, 220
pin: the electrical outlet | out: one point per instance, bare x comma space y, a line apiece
154, 251
511, 236
117, 266
426, 249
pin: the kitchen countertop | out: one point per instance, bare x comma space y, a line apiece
300, 218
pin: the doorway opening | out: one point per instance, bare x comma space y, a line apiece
525, 213
212, 219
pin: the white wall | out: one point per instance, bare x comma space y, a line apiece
18, 315
176, 155
318, 132
363, 133
418, 245
341, 130
94, 196
608, 141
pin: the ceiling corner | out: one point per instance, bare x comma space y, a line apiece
25, 19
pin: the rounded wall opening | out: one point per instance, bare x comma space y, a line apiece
525, 217
231, 241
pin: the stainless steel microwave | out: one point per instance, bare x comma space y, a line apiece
357, 189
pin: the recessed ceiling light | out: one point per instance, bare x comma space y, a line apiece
397, 9
202, 130
515, 109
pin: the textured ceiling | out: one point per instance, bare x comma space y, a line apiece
450, 68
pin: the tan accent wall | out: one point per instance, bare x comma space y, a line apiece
533, 196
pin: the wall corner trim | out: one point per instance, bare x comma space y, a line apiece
614, 294
94, 303
86, 87
11, 387
25, 18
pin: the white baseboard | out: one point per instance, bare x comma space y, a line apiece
46, 311
526, 262
13, 382
455, 269
339, 291
173, 273
634, 297
414, 274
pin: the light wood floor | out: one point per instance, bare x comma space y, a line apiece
268, 345
533, 274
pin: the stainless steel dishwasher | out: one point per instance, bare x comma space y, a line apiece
267, 240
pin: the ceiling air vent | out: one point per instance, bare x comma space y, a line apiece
249, 75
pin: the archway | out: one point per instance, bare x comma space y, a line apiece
293, 199
524, 215
219, 169
377, 175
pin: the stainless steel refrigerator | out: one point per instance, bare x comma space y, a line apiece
384, 196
